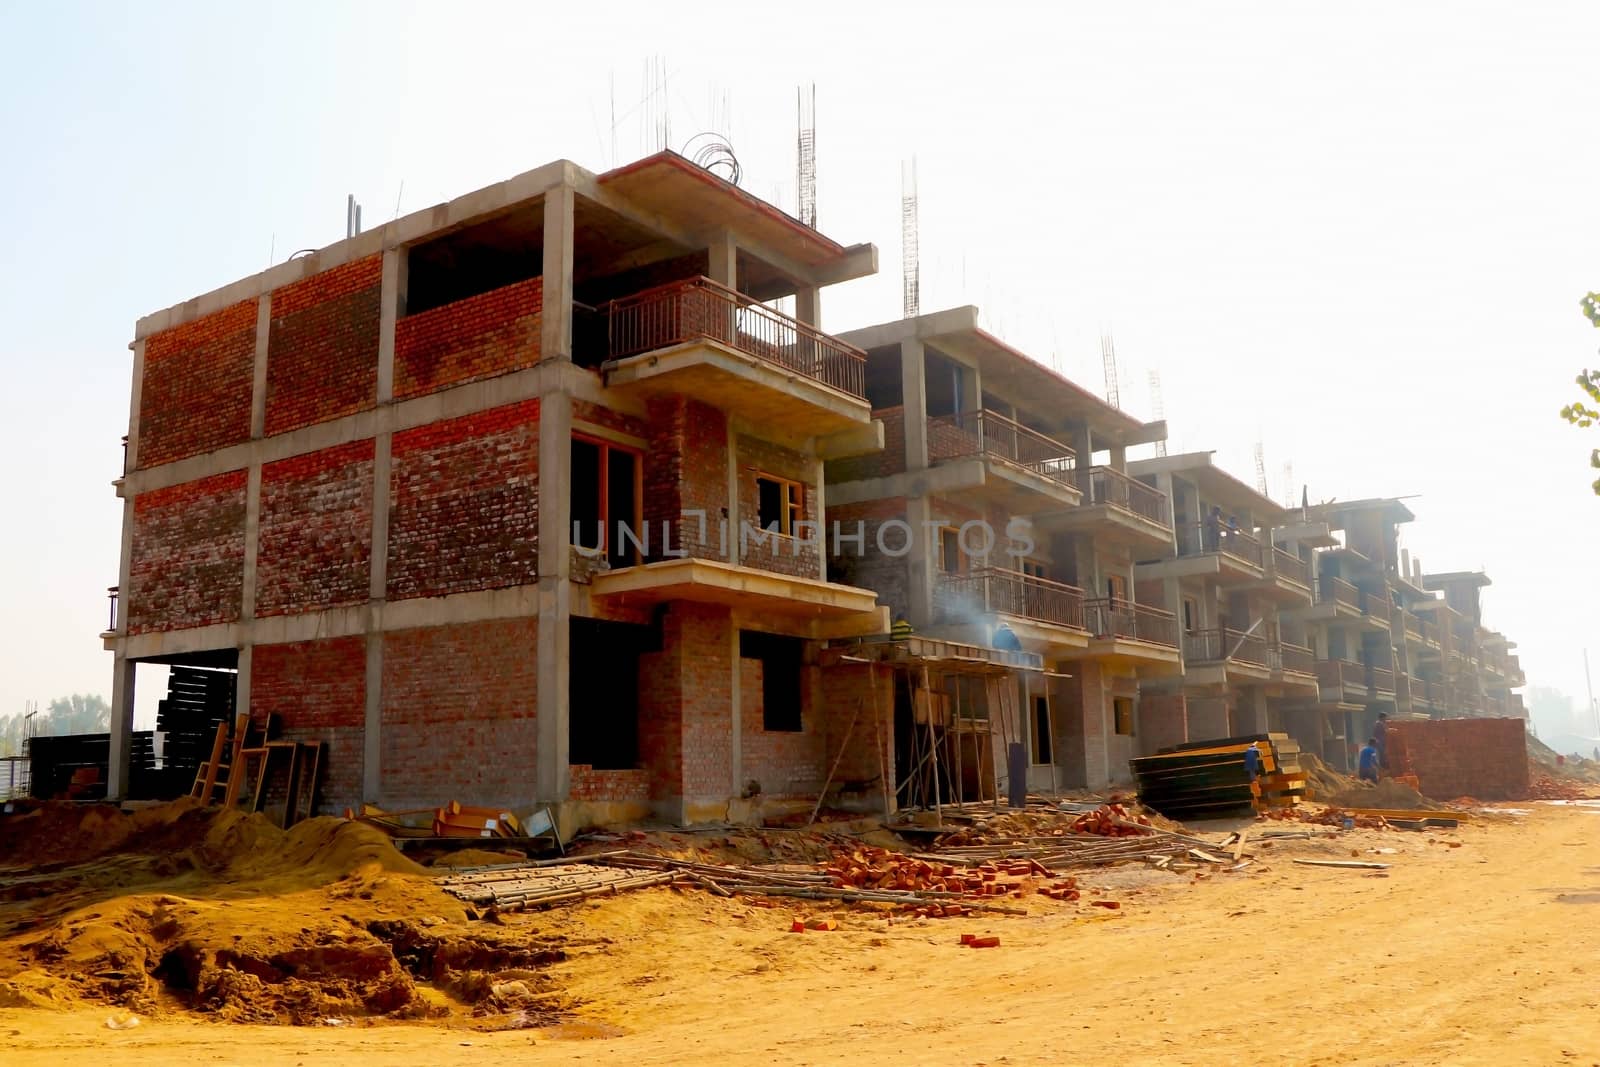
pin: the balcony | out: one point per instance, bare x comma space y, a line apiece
111, 626
1421, 691
1342, 681
1041, 612
1209, 549
1119, 507
1135, 637
1001, 458
1376, 609
1380, 683
1288, 577
1214, 654
700, 339
1293, 666
1340, 597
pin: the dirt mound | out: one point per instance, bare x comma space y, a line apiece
1386, 794
1323, 779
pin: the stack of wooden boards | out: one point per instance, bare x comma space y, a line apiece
1202, 779
455, 823
73, 766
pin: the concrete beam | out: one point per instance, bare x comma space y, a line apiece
922, 328
258, 370
856, 441
390, 307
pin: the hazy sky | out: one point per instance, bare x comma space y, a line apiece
1355, 232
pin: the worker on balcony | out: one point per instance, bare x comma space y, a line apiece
1367, 763
1005, 638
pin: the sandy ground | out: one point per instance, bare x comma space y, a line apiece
1476, 954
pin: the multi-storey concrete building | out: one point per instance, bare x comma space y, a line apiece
507, 500
1235, 570
534, 497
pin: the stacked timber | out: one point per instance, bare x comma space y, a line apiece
1206, 779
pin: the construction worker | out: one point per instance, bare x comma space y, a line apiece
901, 629
1367, 762
1252, 760
1006, 638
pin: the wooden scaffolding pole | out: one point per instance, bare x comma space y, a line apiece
878, 728
933, 747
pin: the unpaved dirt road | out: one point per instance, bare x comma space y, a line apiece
1477, 954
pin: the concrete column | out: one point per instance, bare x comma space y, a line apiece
555, 338
914, 390
808, 306
821, 520
735, 553
971, 389
1250, 711
132, 455
391, 305
122, 675
378, 574
252, 538
1096, 726
1119, 458
1083, 448
241, 681
372, 735
551, 768
724, 260
736, 709
258, 376
921, 568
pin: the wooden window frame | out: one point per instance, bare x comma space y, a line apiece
792, 510
606, 447
961, 557
1118, 719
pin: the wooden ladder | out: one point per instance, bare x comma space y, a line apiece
206, 775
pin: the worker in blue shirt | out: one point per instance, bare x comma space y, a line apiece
1367, 767
1252, 760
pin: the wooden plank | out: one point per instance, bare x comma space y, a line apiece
1354, 865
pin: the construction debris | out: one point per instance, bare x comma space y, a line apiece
1355, 865
524, 886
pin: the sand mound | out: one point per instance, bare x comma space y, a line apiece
178, 906
1386, 794
1323, 779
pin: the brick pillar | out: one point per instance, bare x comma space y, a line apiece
1208, 718
1163, 721
685, 714
1085, 721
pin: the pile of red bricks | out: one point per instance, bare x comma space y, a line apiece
1108, 820
875, 868
1486, 758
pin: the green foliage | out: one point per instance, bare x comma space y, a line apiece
1586, 413
80, 713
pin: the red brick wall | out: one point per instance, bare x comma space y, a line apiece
1163, 721
785, 763
613, 786
187, 561
464, 503
870, 750
685, 705
322, 353
195, 396
891, 460
687, 469
458, 713
1482, 758
315, 547
317, 689
863, 565
783, 555
479, 337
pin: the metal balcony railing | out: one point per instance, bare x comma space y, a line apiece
1113, 487
988, 433
1204, 538
700, 309
1421, 692
1296, 658
1291, 567
1376, 604
1118, 618
1332, 590
1335, 673
1380, 680
111, 594
990, 590
1216, 645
